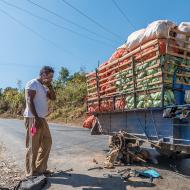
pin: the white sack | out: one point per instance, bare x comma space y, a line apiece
184, 27
134, 39
157, 29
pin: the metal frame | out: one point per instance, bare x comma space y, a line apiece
147, 123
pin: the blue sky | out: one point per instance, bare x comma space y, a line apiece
23, 53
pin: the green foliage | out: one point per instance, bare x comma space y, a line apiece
69, 104
70, 97
12, 100
63, 75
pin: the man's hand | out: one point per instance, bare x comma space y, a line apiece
48, 85
51, 93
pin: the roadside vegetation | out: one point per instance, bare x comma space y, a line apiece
69, 106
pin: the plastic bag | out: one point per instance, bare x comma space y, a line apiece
89, 121
33, 129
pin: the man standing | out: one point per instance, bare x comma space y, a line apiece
38, 144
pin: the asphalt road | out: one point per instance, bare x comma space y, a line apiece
73, 147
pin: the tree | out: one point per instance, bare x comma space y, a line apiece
14, 100
63, 75
19, 85
9, 89
82, 69
1, 92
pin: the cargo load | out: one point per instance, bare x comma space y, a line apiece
142, 94
141, 74
134, 39
121, 50
157, 29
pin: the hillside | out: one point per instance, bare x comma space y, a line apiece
69, 107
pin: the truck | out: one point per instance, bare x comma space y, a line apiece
143, 94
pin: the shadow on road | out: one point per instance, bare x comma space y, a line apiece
180, 166
176, 164
87, 182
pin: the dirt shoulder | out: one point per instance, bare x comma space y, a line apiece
9, 172
77, 122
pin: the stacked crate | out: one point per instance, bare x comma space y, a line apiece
179, 57
143, 77
92, 91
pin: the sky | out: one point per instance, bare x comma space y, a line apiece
59, 36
